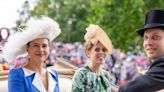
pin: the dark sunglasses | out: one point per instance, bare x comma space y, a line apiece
98, 49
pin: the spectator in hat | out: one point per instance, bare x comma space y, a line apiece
153, 36
35, 41
92, 78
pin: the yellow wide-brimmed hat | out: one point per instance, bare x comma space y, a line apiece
43, 27
95, 34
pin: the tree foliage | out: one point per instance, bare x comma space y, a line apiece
119, 18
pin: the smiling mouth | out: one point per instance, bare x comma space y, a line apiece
101, 59
40, 55
150, 50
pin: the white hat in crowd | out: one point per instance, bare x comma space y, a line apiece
43, 27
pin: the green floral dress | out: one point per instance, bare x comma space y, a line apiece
85, 80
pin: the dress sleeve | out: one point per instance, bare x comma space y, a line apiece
78, 81
57, 80
107, 75
15, 81
106, 80
141, 84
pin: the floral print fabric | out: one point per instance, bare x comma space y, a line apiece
85, 80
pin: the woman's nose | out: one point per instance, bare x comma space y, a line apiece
40, 48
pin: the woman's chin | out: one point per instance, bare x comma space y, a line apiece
101, 61
41, 60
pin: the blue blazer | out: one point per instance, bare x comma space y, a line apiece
24, 80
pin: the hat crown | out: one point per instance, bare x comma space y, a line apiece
155, 17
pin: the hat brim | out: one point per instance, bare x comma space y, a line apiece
104, 39
141, 31
36, 28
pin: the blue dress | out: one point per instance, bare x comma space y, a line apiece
25, 80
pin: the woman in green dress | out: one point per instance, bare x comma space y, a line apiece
92, 78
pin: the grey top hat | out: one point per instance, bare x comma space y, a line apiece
153, 19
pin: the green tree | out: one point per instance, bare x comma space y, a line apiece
71, 15
119, 18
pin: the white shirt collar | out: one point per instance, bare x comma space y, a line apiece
27, 72
37, 82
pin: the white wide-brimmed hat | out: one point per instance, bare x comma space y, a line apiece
95, 34
36, 28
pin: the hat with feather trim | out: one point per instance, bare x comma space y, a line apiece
43, 27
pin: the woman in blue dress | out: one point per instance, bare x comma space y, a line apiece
35, 42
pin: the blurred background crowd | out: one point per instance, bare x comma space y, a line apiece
121, 66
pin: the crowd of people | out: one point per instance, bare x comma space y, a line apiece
96, 58
122, 66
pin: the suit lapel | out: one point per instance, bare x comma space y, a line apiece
38, 84
51, 83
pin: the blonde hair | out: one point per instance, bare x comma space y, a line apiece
88, 45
